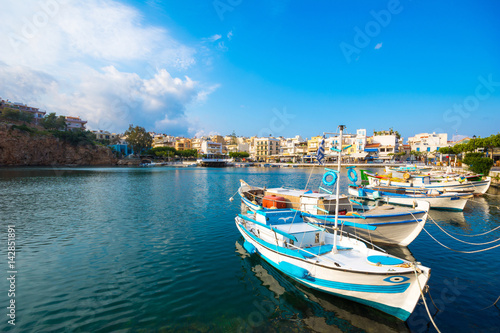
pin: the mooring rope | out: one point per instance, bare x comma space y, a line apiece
493, 241
423, 298
466, 252
494, 304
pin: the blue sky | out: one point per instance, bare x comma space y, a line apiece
259, 67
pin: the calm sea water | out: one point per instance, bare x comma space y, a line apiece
122, 249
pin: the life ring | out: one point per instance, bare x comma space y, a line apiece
331, 182
406, 176
352, 178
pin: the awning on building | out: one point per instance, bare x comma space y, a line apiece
371, 149
358, 155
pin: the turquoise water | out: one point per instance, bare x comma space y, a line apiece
123, 249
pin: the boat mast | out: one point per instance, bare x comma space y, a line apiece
341, 128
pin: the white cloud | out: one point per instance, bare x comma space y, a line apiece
214, 37
230, 35
378, 46
96, 59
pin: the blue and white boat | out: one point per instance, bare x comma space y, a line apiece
409, 197
336, 264
392, 225
427, 182
333, 262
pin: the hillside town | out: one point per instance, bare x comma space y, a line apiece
381, 146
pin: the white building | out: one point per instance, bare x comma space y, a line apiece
73, 123
426, 142
211, 148
293, 147
388, 145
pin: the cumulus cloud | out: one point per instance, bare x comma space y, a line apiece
378, 46
96, 59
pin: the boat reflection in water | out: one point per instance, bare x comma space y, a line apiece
309, 309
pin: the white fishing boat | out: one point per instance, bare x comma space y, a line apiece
425, 182
333, 262
342, 266
390, 225
258, 198
409, 197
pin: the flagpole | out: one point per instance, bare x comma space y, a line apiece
341, 128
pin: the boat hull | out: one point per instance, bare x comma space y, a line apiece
444, 202
478, 187
375, 290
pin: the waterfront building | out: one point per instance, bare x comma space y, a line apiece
196, 144
388, 145
182, 144
36, 112
372, 150
105, 135
75, 123
238, 148
267, 148
359, 144
313, 144
428, 142
293, 149
163, 140
211, 148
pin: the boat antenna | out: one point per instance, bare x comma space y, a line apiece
339, 158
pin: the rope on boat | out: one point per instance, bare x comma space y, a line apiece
423, 298
466, 252
494, 304
493, 241
430, 296
232, 197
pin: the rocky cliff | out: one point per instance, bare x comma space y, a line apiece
19, 148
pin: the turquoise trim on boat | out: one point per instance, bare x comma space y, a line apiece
316, 227
393, 311
274, 247
385, 260
351, 224
293, 270
249, 247
397, 222
321, 209
324, 189
316, 250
